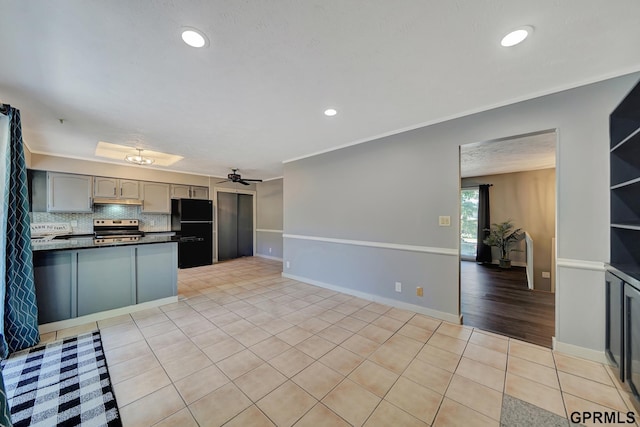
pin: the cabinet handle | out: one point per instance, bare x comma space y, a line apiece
121, 191
189, 193
90, 203
114, 191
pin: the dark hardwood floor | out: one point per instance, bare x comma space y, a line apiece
498, 300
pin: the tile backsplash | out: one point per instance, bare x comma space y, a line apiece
148, 222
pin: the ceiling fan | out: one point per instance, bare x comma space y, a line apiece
235, 177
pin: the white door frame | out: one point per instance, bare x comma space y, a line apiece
217, 190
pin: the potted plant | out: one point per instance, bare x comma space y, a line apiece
504, 237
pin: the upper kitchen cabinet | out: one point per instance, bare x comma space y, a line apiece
69, 193
156, 198
189, 192
112, 188
200, 193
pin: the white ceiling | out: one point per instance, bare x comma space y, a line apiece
117, 70
518, 154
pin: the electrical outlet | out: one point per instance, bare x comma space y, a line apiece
269, 250
398, 287
288, 265
444, 221
546, 275
419, 291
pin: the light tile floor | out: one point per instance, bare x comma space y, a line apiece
245, 346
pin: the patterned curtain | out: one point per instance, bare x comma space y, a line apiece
484, 223
20, 312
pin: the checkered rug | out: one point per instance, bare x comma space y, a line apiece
64, 383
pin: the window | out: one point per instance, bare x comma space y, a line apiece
468, 222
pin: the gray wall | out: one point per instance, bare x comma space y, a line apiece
529, 199
269, 221
416, 177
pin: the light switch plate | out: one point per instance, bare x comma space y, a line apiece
444, 221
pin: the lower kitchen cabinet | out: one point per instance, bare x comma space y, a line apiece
156, 271
72, 283
632, 337
623, 328
56, 285
614, 289
106, 279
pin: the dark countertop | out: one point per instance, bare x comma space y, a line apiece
86, 242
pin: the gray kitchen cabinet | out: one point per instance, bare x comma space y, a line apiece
78, 282
113, 188
56, 285
69, 192
129, 189
106, 279
156, 198
156, 271
105, 187
200, 193
179, 191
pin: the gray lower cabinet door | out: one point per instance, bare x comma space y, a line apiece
55, 279
106, 279
156, 271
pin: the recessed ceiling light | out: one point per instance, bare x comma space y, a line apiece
194, 37
330, 112
516, 36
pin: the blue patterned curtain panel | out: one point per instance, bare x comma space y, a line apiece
20, 308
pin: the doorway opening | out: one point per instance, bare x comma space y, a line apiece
510, 179
235, 223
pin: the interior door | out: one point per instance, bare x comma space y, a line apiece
227, 226
235, 225
245, 225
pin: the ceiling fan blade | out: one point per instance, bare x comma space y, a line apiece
256, 180
242, 181
226, 180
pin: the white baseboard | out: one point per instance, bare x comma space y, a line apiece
582, 352
269, 257
382, 300
78, 321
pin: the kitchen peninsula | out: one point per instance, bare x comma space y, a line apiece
79, 280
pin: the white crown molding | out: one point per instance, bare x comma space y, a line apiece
268, 230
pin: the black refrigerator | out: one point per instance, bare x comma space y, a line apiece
192, 221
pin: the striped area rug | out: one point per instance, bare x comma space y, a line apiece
64, 383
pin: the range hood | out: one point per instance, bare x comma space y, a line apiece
104, 201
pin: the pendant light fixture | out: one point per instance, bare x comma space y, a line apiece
138, 159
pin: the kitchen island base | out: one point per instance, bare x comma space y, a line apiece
79, 286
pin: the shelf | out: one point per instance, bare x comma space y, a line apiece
624, 142
626, 184
625, 206
627, 226
625, 246
625, 160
